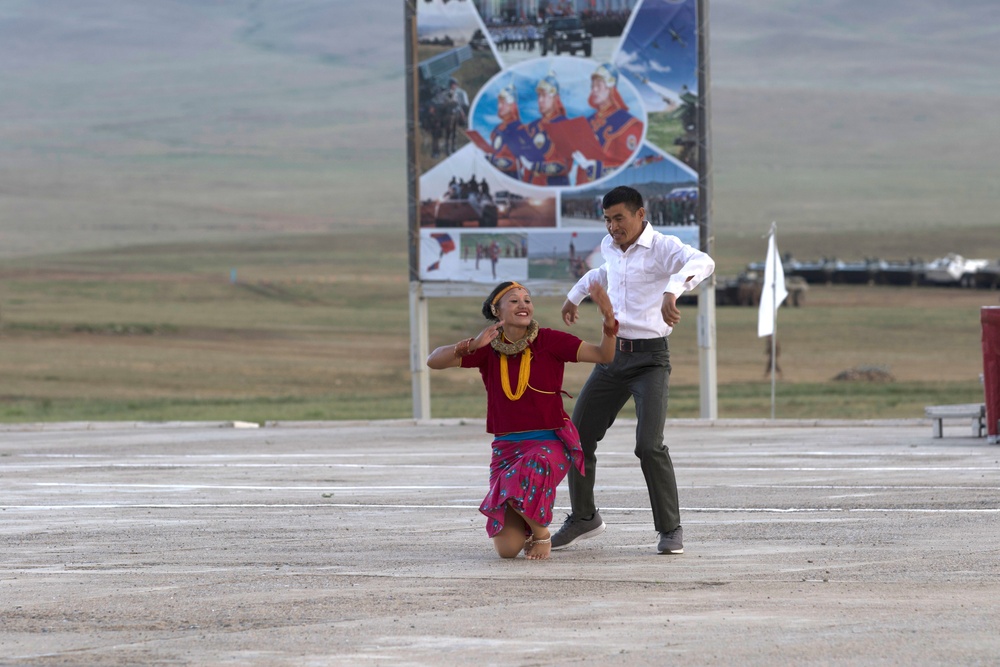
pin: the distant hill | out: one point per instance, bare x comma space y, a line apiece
920, 46
150, 122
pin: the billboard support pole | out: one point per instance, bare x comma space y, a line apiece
707, 361
419, 344
419, 372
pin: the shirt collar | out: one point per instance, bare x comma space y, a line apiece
645, 238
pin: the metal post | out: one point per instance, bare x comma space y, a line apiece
774, 330
412, 138
418, 303
419, 343
708, 388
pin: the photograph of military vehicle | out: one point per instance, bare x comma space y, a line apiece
464, 202
566, 34
506, 201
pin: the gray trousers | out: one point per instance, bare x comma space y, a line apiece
645, 377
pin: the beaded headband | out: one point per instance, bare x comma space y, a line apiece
513, 285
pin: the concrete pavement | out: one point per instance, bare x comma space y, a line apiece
840, 543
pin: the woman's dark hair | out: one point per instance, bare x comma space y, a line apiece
623, 194
488, 304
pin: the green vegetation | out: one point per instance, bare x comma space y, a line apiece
662, 128
278, 151
317, 328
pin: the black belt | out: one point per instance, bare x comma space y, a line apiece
642, 344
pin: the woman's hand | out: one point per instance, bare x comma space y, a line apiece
450, 356
486, 336
605, 352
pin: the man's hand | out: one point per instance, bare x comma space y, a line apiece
570, 311
671, 315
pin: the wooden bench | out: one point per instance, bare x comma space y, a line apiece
974, 411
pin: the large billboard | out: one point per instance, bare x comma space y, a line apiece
523, 113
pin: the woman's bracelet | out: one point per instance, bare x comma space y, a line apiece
611, 330
462, 348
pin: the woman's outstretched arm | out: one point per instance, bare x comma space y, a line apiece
450, 356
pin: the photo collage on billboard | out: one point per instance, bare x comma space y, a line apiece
529, 111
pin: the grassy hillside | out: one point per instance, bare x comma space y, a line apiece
149, 149
184, 121
181, 120
316, 327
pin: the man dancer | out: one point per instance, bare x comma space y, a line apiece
644, 273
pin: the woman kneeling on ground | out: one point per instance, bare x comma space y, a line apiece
535, 441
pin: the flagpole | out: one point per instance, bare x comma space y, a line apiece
774, 317
774, 338
767, 322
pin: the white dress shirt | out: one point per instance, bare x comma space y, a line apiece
637, 279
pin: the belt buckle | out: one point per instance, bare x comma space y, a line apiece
622, 347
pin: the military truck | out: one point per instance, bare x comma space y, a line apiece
566, 34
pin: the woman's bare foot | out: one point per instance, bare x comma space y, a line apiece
538, 546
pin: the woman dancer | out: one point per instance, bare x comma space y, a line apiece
535, 441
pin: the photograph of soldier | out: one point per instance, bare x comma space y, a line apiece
449, 65
521, 36
473, 256
507, 138
493, 256
564, 254
668, 186
678, 207
542, 162
582, 208
441, 117
607, 18
525, 29
618, 131
463, 203
543, 125
460, 98
463, 191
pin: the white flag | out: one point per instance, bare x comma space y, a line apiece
773, 292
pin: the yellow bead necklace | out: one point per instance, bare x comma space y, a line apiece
522, 376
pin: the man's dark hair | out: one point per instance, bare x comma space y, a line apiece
623, 194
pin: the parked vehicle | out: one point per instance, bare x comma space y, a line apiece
453, 211
566, 34
953, 269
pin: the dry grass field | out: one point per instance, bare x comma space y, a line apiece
317, 328
148, 150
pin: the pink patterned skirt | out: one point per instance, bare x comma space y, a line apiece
526, 472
